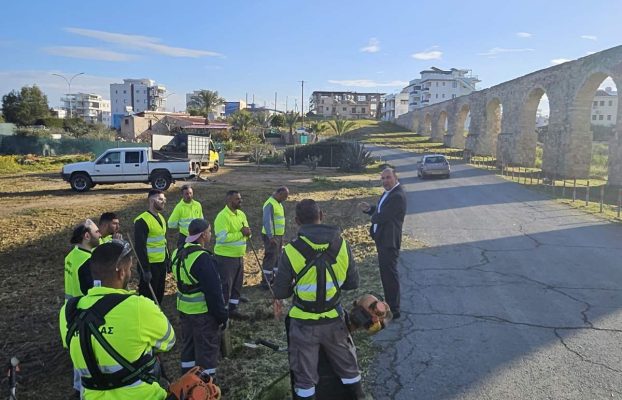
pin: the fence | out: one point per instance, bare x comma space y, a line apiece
592, 193
48, 146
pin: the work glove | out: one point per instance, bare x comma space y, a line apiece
147, 276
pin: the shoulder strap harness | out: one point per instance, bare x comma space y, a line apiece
179, 261
323, 261
86, 324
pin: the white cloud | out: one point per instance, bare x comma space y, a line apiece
142, 42
373, 46
524, 34
589, 37
89, 53
557, 61
428, 55
495, 51
368, 83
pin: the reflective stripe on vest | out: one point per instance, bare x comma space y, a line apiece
278, 222
306, 287
185, 213
73, 262
156, 236
189, 303
229, 239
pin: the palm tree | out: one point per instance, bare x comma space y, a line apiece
205, 101
241, 120
341, 126
290, 120
263, 121
318, 127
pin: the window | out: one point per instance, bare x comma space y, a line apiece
602, 102
436, 84
345, 109
362, 98
116, 92
608, 117
610, 103
443, 83
113, 157
454, 84
326, 108
132, 157
595, 104
353, 110
373, 106
137, 91
443, 95
437, 95
601, 117
593, 117
124, 92
362, 110
127, 121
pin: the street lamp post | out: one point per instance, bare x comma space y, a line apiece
69, 88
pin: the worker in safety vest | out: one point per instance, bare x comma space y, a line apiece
315, 268
199, 300
112, 334
272, 233
109, 227
78, 280
232, 232
150, 242
185, 211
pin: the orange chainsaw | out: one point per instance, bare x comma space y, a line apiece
195, 384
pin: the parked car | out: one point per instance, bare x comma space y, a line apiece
123, 165
433, 165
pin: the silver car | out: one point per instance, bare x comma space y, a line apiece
433, 165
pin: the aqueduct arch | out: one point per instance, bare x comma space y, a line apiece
511, 137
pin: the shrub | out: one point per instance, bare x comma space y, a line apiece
328, 152
355, 158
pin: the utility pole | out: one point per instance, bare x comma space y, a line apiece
275, 102
69, 88
286, 99
302, 102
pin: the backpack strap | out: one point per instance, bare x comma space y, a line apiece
179, 261
86, 324
323, 261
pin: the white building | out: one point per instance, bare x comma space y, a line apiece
218, 112
92, 108
605, 107
394, 105
135, 95
349, 105
437, 85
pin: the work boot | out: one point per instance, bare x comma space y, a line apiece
356, 391
243, 299
235, 314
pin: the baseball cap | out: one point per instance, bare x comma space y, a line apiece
196, 228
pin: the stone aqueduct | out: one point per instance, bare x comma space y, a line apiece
503, 118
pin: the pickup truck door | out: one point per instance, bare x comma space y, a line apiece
108, 168
135, 167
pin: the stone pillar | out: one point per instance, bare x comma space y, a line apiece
482, 145
437, 129
615, 144
455, 133
570, 143
505, 148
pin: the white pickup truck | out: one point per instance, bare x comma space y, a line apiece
122, 165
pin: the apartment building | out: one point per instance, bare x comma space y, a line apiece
605, 107
349, 105
133, 96
437, 85
92, 108
394, 105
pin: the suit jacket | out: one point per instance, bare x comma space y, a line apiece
389, 220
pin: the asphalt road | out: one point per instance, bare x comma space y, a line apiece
514, 297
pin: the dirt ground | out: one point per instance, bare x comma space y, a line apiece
38, 211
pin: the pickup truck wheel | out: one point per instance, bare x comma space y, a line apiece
215, 167
81, 182
161, 181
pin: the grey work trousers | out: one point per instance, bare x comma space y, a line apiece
231, 271
272, 253
200, 340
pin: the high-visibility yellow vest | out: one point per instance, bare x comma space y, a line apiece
278, 221
230, 242
73, 262
306, 286
183, 214
190, 298
156, 237
105, 239
133, 328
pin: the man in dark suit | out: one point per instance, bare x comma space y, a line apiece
387, 218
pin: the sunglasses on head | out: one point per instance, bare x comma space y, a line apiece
127, 248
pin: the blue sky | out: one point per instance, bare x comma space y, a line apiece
262, 47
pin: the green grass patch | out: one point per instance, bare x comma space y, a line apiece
30, 163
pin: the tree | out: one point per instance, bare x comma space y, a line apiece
241, 120
263, 120
341, 126
205, 101
26, 107
278, 120
318, 128
290, 118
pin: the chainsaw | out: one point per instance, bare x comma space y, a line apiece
195, 384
